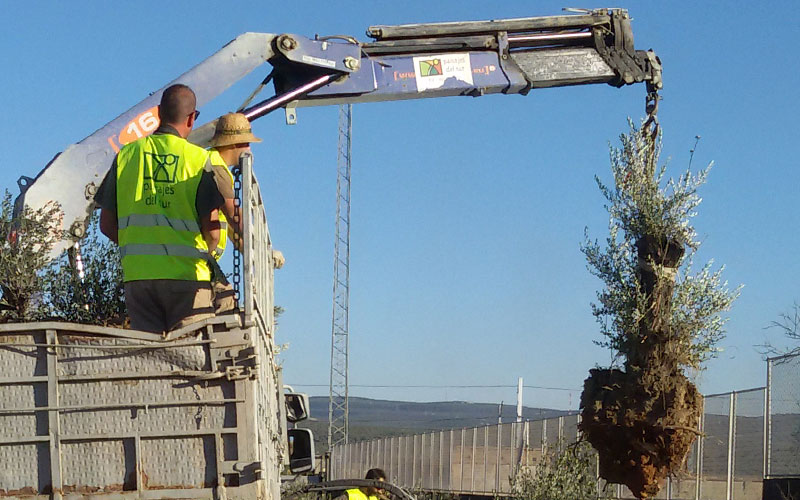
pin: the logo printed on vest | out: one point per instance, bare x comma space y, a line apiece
165, 166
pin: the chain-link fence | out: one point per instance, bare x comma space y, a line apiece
783, 424
726, 462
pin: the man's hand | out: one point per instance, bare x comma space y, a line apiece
278, 259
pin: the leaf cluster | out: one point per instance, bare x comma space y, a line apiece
566, 472
35, 288
25, 243
93, 296
641, 202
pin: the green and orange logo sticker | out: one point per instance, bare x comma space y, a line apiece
430, 67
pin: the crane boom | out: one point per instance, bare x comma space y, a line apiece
509, 56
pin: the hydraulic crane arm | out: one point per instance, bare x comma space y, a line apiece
510, 56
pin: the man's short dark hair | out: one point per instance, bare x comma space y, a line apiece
177, 102
377, 474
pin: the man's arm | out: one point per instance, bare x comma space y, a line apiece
234, 223
216, 190
209, 227
106, 197
108, 225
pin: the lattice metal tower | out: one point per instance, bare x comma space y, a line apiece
338, 409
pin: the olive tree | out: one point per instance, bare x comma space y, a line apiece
26, 240
656, 311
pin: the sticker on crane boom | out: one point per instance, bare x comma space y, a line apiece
142, 125
318, 61
432, 71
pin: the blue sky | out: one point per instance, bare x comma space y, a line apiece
467, 214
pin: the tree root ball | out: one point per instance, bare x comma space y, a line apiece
642, 424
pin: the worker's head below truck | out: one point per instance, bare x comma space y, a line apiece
367, 492
377, 475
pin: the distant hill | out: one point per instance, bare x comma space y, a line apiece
374, 418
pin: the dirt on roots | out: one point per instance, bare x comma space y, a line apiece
642, 424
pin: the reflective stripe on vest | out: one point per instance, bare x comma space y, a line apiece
216, 159
156, 249
155, 220
159, 229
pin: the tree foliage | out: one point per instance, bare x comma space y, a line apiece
96, 297
25, 243
787, 323
566, 472
35, 288
642, 203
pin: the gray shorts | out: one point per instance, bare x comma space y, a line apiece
163, 305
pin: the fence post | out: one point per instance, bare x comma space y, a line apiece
441, 460
527, 441
472, 469
544, 436
485, 457
731, 445
401, 470
450, 463
768, 422
430, 461
699, 482
497, 465
461, 461
512, 445
414, 463
421, 454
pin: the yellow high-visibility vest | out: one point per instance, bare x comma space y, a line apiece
357, 494
216, 159
159, 228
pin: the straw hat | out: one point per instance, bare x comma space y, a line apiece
233, 128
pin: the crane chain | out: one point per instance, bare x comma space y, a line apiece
237, 253
651, 127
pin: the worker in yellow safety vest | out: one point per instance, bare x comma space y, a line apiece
160, 202
232, 137
366, 492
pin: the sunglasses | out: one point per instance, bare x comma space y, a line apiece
196, 114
